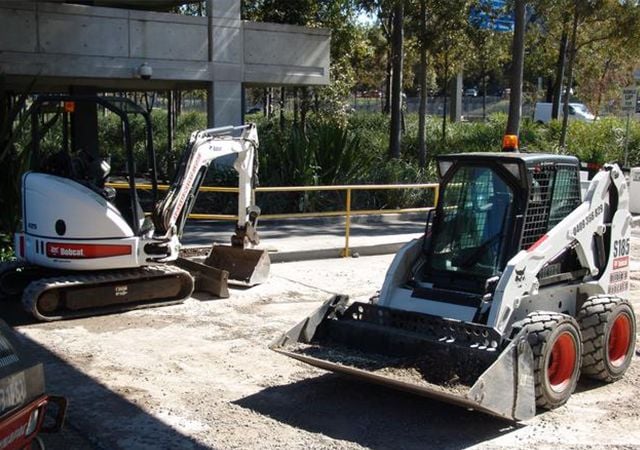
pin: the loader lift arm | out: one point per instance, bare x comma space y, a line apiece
605, 206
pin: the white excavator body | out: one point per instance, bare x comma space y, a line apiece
84, 250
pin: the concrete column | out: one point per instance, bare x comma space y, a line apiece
84, 122
455, 112
224, 93
224, 103
227, 103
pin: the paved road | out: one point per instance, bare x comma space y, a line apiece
295, 235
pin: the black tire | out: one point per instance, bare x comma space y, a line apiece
557, 354
608, 327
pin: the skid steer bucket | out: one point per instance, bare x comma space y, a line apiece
449, 360
246, 267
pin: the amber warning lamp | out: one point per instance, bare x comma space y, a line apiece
510, 143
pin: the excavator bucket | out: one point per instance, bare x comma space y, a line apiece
449, 360
246, 267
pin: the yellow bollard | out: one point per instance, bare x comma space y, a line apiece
347, 226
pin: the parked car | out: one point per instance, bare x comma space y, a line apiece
471, 92
577, 111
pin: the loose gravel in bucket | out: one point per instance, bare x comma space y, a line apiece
424, 372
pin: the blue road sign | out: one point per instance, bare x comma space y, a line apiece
493, 15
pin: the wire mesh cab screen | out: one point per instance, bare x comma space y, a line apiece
554, 192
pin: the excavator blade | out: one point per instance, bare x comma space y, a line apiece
207, 279
246, 267
452, 361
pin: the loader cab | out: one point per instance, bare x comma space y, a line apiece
54, 151
491, 207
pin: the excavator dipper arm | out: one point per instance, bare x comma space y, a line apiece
204, 146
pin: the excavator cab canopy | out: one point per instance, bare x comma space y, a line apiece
51, 117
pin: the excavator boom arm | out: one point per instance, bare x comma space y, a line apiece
204, 146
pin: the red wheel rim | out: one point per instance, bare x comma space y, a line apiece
619, 340
562, 362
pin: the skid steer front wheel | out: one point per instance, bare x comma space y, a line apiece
557, 353
608, 327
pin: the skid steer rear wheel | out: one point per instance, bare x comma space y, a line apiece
557, 349
608, 327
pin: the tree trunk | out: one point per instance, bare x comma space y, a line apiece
562, 60
548, 95
517, 68
601, 83
389, 68
445, 83
304, 107
484, 96
178, 103
396, 82
422, 113
282, 95
567, 90
265, 102
296, 106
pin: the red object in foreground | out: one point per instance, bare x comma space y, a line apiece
19, 428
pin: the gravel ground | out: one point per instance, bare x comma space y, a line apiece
200, 375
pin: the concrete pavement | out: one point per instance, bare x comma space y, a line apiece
302, 239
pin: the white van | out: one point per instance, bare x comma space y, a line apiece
577, 111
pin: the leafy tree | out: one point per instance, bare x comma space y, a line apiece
447, 40
490, 49
595, 22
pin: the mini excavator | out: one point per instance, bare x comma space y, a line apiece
85, 249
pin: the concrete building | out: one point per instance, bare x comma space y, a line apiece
60, 46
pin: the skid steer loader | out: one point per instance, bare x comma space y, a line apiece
517, 287
86, 250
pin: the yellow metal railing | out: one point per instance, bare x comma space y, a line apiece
347, 213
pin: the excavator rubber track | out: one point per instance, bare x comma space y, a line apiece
77, 295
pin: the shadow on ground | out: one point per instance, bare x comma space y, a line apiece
374, 416
104, 419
